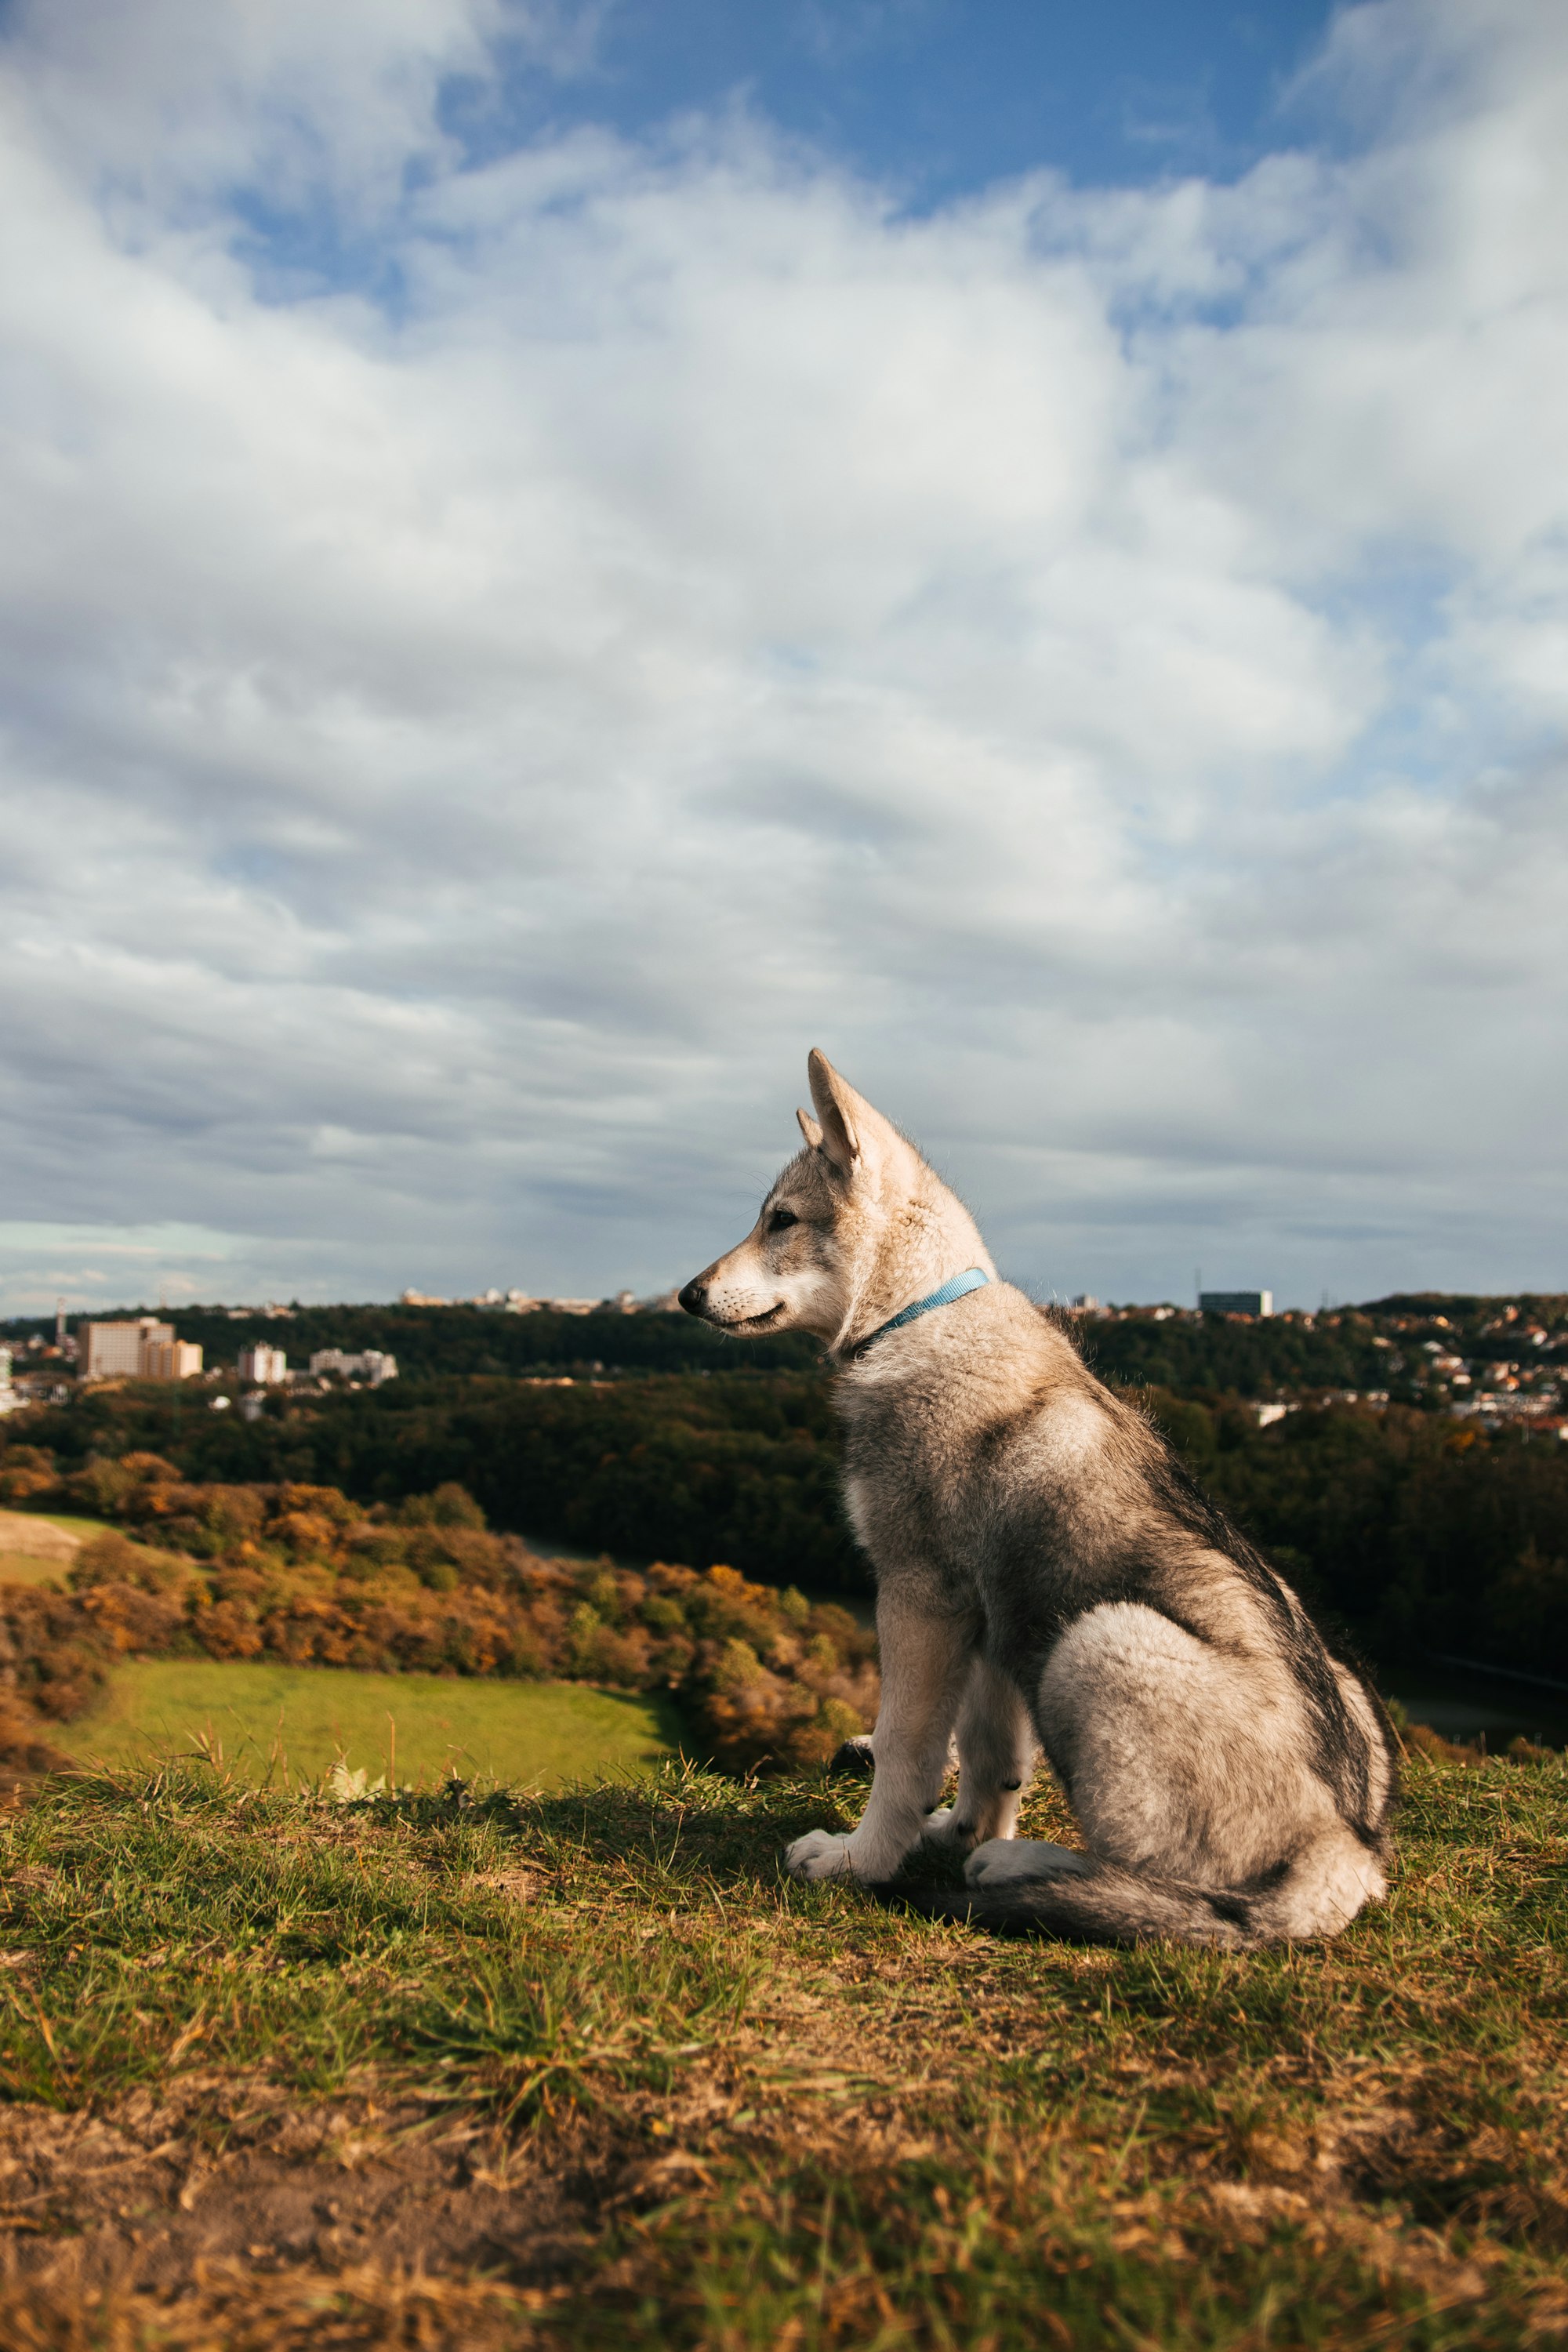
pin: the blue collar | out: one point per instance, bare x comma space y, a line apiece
955, 1286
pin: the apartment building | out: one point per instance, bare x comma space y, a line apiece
373, 1366
144, 1350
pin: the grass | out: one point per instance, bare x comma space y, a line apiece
25, 1567
290, 1723
22, 1568
16, 1568
635, 2089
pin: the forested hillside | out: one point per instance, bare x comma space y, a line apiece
737, 1468
1421, 1534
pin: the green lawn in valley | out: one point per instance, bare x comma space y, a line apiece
529, 1735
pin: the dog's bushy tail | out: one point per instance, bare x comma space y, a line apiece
1101, 1904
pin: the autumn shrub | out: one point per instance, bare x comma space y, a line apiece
54, 1657
450, 1505
135, 1486
25, 1473
24, 1747
113, 1559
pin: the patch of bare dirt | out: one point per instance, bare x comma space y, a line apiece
371, 2204
22, 1536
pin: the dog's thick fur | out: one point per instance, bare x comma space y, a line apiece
1049, 1579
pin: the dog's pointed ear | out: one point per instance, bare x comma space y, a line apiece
810, 1129
836, 1104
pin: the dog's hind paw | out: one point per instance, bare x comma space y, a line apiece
1003, 1862
944, 1828
820, 1853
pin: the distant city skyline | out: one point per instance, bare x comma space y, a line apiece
1251, 1304
558, 558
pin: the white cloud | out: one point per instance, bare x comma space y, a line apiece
1093, 661
167, 106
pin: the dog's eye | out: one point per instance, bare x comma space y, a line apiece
780, 1219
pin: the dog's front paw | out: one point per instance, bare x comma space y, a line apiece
820, 1853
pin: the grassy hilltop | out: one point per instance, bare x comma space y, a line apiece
586, 2071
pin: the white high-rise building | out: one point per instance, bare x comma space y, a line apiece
268, 1367
110, 1352
145, 1350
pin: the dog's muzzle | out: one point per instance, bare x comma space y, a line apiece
694, 1297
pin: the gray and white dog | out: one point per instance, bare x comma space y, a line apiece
1049, 1579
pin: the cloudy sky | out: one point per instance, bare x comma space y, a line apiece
554, 556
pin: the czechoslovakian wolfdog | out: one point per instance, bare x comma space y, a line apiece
1049, 1579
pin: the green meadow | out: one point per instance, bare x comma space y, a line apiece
291, 1724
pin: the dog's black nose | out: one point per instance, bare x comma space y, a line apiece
694, 1297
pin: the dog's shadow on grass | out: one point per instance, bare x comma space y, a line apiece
688, 1824
729, 1831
